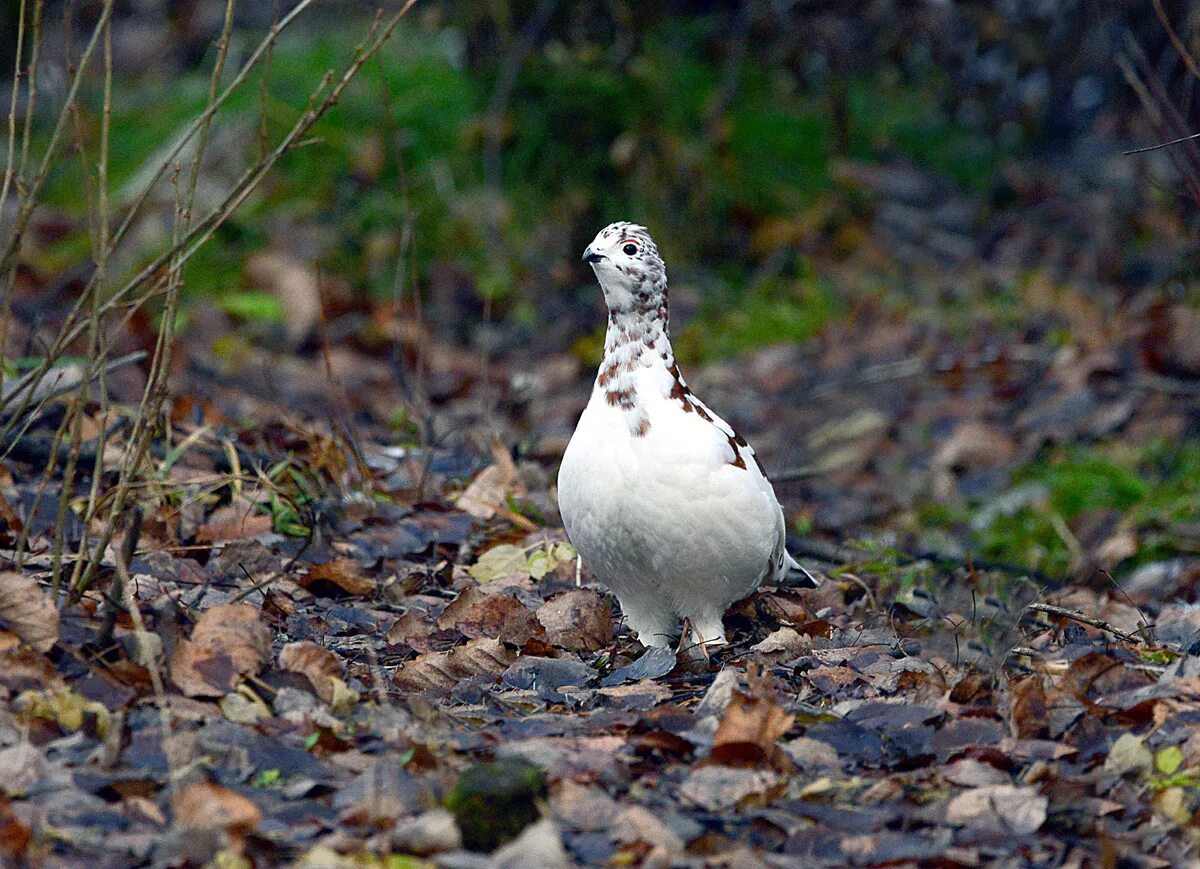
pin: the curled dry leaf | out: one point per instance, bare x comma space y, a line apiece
337, 577
206, 806
27, 611
751, 726
228, 642
317, 664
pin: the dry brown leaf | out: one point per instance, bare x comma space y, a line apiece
317, 664
579, 620
228, 642
482, 655
339, 576
10, 522
498, 616
15, 836
488, 493
234, 522
206, 806
440, 671
413, 629
428, 672
28, 611
1028, 710
751, 726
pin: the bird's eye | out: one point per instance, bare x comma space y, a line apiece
630, 249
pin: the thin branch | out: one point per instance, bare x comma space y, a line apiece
1161, 145
1175, 40
1092, 621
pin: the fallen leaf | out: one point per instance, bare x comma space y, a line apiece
234, 522
228, 642
481, 655
498, 616
428, 672
1027, 708
1015, 811
724, 788
579, 620
318, 665
638, 824
1129, 754
28, 611
431, 832
540, 844
206, 806
654, 662
15, 835
440, 671
337, 577
784, 644
504, 560
752, 724
489, 492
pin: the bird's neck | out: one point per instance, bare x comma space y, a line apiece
636, 339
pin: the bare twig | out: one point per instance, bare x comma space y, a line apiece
189, 242
1188, 61
1092, 621
1161, 145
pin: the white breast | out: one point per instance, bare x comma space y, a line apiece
671, 521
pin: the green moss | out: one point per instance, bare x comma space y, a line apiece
494, 802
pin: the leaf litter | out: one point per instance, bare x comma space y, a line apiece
351, 632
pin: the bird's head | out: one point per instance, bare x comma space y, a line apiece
631, 273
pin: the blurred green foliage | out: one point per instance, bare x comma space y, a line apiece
1153, 488
668, 135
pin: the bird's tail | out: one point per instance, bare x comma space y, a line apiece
797, 575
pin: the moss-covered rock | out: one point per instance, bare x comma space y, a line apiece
494, 802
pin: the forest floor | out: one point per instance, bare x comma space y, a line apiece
341, 623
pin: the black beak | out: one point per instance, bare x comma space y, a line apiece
590, 256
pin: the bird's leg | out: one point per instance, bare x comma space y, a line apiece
689, 645
707, 630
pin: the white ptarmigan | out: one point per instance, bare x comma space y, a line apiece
665, 503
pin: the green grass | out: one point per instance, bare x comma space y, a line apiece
1153, 487
588, 137
781, 310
